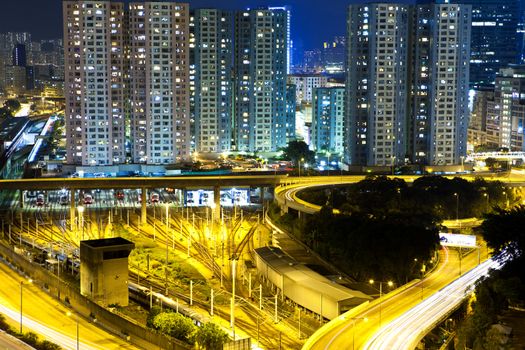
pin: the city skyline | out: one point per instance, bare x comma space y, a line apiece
47, 22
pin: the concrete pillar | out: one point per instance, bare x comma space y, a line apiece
143, 203
21, 198
72, 206
261, 194
217, 201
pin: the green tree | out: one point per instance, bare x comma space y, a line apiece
503, 230
154, 311
12, 105
298, 150
47, 345
175, 325
210, 337
492, 163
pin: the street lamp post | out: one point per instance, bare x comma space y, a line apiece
506, 200
486, 195
22, 301
69, 314
328, 154
300, 160
353, 328
81, 212
457, 205
390, 284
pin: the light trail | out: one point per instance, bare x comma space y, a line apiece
50, 334
407, 330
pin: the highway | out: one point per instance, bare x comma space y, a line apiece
363, 324
47, 317
406, 331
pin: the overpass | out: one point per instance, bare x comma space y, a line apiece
143, 183
286, 195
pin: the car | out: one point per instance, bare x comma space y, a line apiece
64, 200
119, 195
154, 198
88, 199
40, 200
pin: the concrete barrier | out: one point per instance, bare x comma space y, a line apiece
126, 328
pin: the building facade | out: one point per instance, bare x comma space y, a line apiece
159, 76
291, 107
94, 81
306, 84
495, 41
506, 112
211, 78
122, 63
439, 103
376, 83
328, 119
407, 83
261, 39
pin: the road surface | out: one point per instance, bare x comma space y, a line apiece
352, 333
48, 318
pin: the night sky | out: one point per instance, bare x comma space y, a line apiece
313, 21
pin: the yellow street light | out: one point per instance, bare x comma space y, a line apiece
390, 284
69, 314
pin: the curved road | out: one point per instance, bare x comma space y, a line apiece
48, 318
353, 329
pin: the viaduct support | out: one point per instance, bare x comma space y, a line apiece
143, 203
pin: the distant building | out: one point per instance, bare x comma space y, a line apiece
305, 84
477, 131
495, 41
505, 119
15, 79
291, 106
312, 60
328, 119
19, 55
334, 54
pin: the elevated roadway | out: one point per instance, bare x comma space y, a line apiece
354, 328
286, 195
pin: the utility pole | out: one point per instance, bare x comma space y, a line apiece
276, 318
212, 299
191, 292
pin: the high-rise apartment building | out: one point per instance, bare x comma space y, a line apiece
376, 83
120, 63
407, 83
94, 34
211, 78
159, 78
261, 39
439, 102
328, 120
